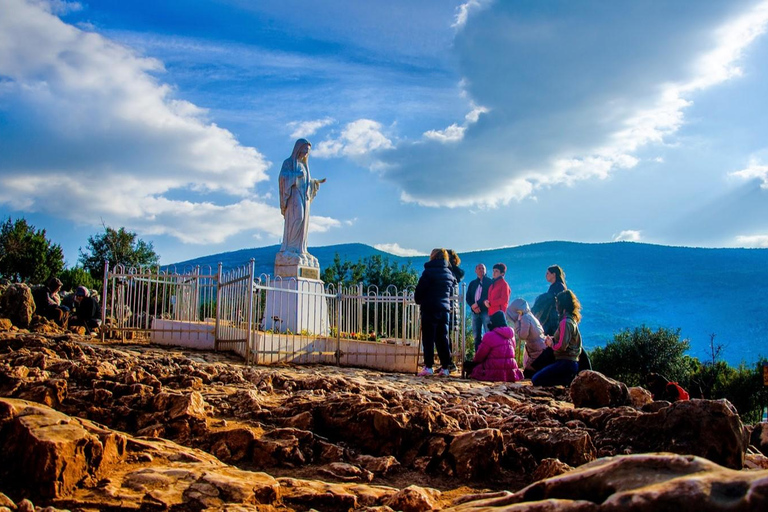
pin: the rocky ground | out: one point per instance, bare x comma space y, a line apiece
86, 426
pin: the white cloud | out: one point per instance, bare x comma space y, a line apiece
754, 171
58, 7
397, 250
454, 132
357, 139
463, 11
542, 133
628, 235
92, 134
756, 241
302, 129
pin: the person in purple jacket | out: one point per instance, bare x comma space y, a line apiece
495, 358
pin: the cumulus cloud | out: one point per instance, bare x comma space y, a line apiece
357, 139
756, 241
302, 129
754, 171
572, 94
628, 235
91, 133
397, 250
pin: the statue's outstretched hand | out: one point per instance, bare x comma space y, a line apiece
321, 181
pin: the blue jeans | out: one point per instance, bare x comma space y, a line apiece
559, 373
479, 326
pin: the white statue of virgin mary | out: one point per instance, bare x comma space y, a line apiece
297, 190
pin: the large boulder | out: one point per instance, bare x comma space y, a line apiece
477, 453
759, 437
594, 390
17, 304
708, 428
639, 483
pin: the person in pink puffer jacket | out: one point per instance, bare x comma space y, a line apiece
495, 358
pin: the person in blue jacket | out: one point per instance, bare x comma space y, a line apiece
433, 294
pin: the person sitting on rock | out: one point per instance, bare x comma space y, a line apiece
566, 344
495, 358
87, 311
48, 302
528, 331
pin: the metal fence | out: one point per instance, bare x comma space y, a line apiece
265, 318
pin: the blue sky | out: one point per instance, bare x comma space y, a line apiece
464, 124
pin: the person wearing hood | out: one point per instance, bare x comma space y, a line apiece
495, 358
433, 294
528, 331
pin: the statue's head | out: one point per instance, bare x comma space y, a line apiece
301, 149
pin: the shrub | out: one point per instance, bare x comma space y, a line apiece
634, 354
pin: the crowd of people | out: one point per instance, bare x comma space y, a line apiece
79, 308
549, 331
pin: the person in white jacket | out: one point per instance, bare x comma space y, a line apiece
528, 331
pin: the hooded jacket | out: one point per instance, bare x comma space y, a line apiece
496, 356
527, 329
433, 291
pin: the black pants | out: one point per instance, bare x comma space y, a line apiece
434, 333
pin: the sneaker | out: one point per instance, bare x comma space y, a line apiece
444, 372
425, 372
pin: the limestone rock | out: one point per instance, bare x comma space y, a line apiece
549, 468
707, 428
638, 483
640, 397
759, 437
413, 499
594, 390
17, 304
476, 454
5, 324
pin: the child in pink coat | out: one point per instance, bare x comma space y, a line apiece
495, 358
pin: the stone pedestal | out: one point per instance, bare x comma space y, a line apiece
297, 305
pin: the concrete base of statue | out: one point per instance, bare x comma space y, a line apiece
291, 264
296, 303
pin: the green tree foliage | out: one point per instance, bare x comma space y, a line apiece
73, 277
371, 271
634, 354
26, 254
119, 247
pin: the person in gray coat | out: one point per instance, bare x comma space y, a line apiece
528, 331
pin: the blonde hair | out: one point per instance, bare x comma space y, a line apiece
438, 253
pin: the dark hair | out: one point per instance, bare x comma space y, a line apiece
53, 284
559, 273
568, 303
501, 268
498, 319
453, 258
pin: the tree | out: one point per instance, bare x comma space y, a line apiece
26, 254
371, 271
634, 354
73, 277
119, 247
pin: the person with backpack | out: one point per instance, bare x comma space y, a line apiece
566, 344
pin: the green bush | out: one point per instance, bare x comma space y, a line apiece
73, 277
634, 354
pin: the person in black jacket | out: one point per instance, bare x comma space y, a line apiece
477, 292
433, 294
87, 311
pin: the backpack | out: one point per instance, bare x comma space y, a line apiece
544, 309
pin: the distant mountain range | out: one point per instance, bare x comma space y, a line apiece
620, 285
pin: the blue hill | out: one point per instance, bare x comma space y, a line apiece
621, 285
